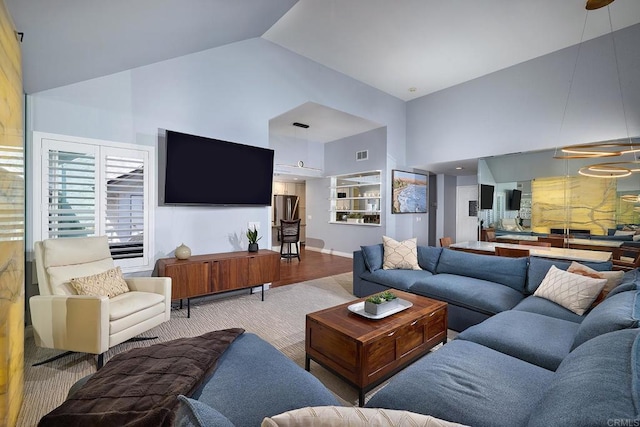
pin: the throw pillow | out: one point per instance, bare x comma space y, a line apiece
108, 283
400, 255
193, 413
352, 417
572, 291
614, 278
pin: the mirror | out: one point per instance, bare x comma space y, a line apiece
555, 198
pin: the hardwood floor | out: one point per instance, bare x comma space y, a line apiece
312, 265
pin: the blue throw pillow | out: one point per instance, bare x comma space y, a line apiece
373, 256
428, 257
618, 312
193, 413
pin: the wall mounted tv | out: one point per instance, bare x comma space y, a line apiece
514, 201
194, 170
486, 196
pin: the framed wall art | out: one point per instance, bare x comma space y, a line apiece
409, 192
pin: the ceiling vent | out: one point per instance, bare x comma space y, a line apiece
362, 155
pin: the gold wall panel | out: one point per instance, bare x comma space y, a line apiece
575, 202
11, 224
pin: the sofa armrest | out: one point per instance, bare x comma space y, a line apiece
156, 285
71, 322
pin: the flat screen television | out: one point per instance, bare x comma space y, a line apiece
514, 201
194, 170
486, 196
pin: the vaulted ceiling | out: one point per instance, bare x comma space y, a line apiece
407, 48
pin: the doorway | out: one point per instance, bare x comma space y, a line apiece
467, 213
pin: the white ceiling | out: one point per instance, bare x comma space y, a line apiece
325, 124
434, 44
392, 45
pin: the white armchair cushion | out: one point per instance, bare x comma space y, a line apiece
60, 276
67, 251
109, 283
131, 302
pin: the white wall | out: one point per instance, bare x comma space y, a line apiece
229, 93
521, 108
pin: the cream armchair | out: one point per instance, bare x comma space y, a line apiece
64, 320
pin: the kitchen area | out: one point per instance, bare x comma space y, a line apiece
289, 202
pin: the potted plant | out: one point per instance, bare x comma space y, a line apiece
354, 217
380, 303
252, 236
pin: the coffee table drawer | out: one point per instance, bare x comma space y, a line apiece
404, 342
436, 327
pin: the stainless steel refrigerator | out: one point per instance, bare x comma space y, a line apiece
284, 207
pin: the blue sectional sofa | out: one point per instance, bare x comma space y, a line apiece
252, 380
526, 368
475, 286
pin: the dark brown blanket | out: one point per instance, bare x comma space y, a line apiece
140, 387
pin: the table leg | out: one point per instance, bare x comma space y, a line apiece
361, 398
307, 363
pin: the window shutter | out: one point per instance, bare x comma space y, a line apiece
70, 193
96, 188
124, 206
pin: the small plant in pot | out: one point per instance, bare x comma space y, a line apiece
380, 303
252, 236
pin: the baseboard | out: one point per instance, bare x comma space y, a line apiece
329, 251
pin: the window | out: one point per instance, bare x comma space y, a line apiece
94, 188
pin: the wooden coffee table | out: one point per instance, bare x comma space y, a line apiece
366, 352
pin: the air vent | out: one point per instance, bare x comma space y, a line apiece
362, 155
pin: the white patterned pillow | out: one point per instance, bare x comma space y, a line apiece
108, 283
572, 291
347, 416
400, 255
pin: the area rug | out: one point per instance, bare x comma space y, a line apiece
280, 320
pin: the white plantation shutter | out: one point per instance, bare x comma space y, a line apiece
124, 205
97, 188
70, 190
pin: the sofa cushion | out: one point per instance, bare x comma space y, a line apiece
595, 385
109, 283
192, 413
397, 279
475, 294
543, 306
373, 255
511, 272
343, 416
128, 303
428, 257
467, 383
534, 338
254, 380
400, 255
621, 311
572, 291
538, 268
623, 238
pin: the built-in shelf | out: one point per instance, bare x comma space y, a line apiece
356, 199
